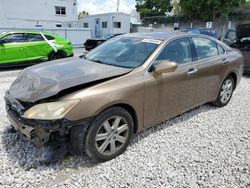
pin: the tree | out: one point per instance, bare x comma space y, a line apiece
152, 8
82, 14
209, 10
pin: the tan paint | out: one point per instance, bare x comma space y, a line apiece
158, 98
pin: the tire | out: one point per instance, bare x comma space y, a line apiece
226, 91
57, 55
108, 135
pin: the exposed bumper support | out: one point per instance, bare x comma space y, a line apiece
40, 132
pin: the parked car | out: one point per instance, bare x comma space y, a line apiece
17, 48
94, 42
96, 103
240, 39
208, 32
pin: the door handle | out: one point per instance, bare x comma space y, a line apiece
225, 61
192, 71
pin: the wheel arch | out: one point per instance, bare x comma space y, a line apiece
130, 110
234, 76
52, 52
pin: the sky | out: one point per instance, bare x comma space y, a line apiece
104, 6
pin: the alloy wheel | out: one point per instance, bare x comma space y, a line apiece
226, 91
112, 135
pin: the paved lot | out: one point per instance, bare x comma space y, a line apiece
205, 147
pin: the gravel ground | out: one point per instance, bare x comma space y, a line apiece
205, 147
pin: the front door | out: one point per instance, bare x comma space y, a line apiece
13, 48
97, 28
172, 93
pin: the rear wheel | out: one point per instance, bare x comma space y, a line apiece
225, 93
109, 134
57, 55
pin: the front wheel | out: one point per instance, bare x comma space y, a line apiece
109, 134
225, 92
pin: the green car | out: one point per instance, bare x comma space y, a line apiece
26, 47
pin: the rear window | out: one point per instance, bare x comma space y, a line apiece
205, 48
49, 37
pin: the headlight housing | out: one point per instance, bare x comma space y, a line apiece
50, 111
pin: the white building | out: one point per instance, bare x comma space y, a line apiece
105, 24
37, 13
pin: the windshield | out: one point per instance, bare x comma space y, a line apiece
125, 52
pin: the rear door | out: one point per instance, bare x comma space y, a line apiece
212, 65
13, 49
37, 47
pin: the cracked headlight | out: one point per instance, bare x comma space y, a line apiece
50, 111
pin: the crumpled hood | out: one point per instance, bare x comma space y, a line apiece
48, 79
242, 31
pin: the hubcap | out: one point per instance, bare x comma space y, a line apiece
226, 91
112, 135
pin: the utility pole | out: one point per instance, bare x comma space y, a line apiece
118, 5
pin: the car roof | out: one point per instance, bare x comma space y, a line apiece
28, 32
157, 35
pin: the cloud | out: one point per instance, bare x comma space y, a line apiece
104, 6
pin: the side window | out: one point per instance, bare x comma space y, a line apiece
205, 48
178, 51
231, 35
34, 37
49, 37
17, 37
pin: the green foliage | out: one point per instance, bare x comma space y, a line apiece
209, 10
152, 8
82, 14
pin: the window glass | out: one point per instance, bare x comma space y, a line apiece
117, 24
178, 51
205, 48
18, 37
60, 10
104, 24
123, 52
231, 35
34, 37
221, 50
49, 37
85, 25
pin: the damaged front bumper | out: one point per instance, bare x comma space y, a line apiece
40, 132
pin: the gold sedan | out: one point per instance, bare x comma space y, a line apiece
95, 103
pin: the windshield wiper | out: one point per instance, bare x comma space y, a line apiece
97, 61
82, 56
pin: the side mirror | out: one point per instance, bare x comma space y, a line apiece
164, 67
